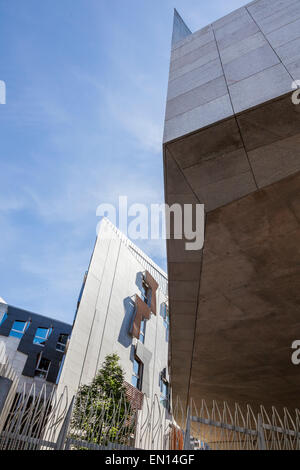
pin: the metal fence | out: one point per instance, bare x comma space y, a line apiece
113, 422
221, 427
7, 372
42, 420
34, 419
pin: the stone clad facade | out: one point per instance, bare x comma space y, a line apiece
231, 142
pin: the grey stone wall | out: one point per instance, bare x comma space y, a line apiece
240, 61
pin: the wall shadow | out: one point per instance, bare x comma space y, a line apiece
124, 336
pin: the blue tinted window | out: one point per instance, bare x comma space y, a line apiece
164, 389
146, 293
41, 336
136, 367
19, 328
164, 392
16, 334
136, 379
2, 320
165, 315
142, 331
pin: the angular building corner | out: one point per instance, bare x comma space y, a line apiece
122, 309
232, 142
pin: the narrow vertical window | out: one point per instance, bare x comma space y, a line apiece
137, 375
42, 367
165, 315
164, 390
143, 331
62, 342
146, 293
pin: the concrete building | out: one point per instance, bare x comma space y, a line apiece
33, 345
122, 309
232, 142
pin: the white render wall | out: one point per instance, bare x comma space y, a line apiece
106, 311
17, 361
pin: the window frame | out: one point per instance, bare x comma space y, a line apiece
4, 317
146, 292
164, 398
142, 335
166, 318
59, 343
38, 370
139, 374
21, 333
48, 334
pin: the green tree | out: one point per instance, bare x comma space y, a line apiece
102, 412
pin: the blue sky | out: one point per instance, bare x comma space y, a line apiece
86, 88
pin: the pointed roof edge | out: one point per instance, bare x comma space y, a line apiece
180, 29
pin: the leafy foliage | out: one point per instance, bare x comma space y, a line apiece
102, 412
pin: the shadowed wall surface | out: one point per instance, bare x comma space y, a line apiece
248, 311
232, 143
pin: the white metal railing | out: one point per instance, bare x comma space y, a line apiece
34, 419
42, 420
240, 428
7, 371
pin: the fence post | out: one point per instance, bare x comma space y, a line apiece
60, 444
261, 442
187, 434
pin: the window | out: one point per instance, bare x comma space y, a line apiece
41, 336
19, 328
165, 314
62, 342
42, 367
146, 293
142, 331
3, 317
137, 373
164, 390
